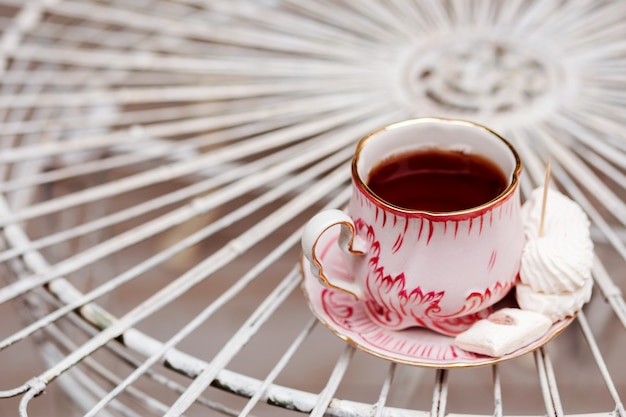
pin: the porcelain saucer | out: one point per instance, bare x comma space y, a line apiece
347, 318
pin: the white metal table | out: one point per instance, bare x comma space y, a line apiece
160, 157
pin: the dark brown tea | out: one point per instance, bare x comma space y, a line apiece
437, 180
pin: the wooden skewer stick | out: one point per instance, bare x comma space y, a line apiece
546, 183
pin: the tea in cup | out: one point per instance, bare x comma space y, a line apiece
432, 234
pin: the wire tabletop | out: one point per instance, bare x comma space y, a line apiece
160, 157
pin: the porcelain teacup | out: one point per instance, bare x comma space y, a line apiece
442, 270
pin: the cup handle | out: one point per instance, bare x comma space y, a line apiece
348, 241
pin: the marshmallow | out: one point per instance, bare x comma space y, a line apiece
503, 332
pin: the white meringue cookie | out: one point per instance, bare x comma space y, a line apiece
555, 264
563, 216
555, 270
554, 306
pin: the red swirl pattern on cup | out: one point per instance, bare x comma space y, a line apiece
397, 302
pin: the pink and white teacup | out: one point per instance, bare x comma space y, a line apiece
441, 267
